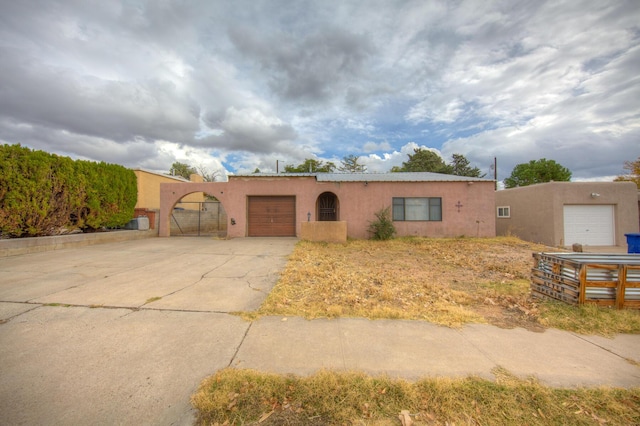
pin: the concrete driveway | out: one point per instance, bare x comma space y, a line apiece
122, 333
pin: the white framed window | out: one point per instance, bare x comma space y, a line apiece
417, 208
504, 211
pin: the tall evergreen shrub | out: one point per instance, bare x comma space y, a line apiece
111, 194
42, 193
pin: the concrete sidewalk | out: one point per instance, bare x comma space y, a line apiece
415, 349
124, 333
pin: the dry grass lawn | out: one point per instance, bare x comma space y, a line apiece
246, 397
445, 281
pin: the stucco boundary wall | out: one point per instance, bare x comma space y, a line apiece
18, 246
330, 232
171, 193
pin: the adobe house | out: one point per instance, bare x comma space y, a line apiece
334, 206
561, 214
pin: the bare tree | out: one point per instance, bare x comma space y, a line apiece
209, 175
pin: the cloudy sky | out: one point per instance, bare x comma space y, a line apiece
244, 84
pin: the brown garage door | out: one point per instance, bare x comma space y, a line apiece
272, 216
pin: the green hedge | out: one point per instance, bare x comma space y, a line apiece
42, 193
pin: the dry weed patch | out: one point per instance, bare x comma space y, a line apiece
245, 397
590, 319
447, 281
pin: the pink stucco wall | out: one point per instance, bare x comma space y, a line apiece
357, 203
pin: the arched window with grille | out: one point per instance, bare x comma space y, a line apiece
327, 207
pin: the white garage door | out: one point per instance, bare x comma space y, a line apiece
589, 225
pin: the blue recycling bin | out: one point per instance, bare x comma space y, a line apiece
633, 242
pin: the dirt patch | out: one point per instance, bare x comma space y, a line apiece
445, 281
509, 317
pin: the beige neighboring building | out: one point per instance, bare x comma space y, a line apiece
149, 189
561, 214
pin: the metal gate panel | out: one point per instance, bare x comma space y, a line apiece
271, 216
191, 218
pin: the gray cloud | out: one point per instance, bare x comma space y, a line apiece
312, 68
117, 110
249, 130
135, 153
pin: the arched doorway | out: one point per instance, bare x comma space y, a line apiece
327, 207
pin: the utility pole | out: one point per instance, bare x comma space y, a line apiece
495, 171
494, 167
